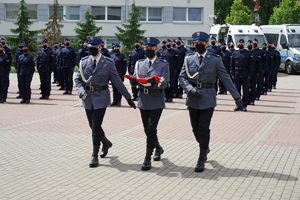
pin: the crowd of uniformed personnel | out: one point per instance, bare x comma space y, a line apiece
253, 70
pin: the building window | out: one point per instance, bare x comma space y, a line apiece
151, 14
60, 11
12, 11
72, 13
187, 14
106, 13
110, 41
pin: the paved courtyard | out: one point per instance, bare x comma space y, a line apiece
45, 149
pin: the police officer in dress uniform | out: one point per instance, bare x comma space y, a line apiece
257, 67
4, 74
268, 63
181, 50
241, 67
95, 71
171, 56
274, 65
17, 54
275, 72
226, 55
151, 96
45, 65
163, 48
197, 78
55, 74
25, 66
60, 67
260, 71
68, 60
134, 56
121, 65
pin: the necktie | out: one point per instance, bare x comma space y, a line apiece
94, 64
150, 63
201, 59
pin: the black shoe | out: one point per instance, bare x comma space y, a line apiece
42, 97
264, 93
46, 97
23, 101
257, 98
221, 93
61, 88
94, 160
200, 165
119, 104
66, 92
27, 101
269, 90
58, 85
244, 109
170, 100
69, 92
19, 96
106, 145
251, 103
18, 92
180, 96
166, 100
2, 100
147, 164
273, 87
113, 103
237, 108
53, 82
157, 154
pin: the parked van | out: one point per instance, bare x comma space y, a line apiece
228, 33
286, 38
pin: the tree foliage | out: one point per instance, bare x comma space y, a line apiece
23, 31
131, 31
239, 14
266, 10
53, 28
87, 28
287, 13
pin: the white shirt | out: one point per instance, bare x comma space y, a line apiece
152, 61
97, 59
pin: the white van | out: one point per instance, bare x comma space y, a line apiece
286, 38
233, 33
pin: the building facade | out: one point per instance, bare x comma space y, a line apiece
161, 19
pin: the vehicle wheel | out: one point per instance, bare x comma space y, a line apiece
289, 69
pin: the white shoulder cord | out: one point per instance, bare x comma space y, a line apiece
187, 69
82, 76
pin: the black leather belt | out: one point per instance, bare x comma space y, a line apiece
93, 88
203, 85
149, 91
240, 68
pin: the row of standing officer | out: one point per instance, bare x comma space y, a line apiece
5, 63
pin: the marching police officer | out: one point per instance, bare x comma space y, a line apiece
4, 74
60, 67
68, 60
181, 50
134, 56
197, 78
25, 66
17, 54
151, 96
45, 65
257, 67
275, 72
268, 63
171, 56
121, 64
274, 66
226, 55
241, 67
95, 71
55, 73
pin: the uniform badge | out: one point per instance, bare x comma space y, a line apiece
91, 37
198, 33
148, 39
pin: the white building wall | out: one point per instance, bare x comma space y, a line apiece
165, 29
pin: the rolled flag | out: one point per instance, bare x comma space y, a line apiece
144, 80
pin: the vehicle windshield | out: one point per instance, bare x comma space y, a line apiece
261, 39
294, 40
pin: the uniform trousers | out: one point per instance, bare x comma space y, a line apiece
178, 88
259, 86
95, 118
25, 82
150, 120
61, 77
266, 78
200, 121
45, 78
68, 78
243, 82
252, 88
117, 96
4, 84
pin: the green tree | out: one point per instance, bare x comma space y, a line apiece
266, 10
87, 28
287, 13
23, 31
131, 31
53, 28
239, 14
222, 8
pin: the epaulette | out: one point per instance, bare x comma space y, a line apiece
163, 60
140, 60
85, 57
213, 54
109, 59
